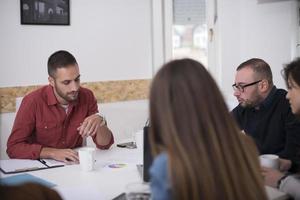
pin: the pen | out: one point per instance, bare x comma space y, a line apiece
44, 162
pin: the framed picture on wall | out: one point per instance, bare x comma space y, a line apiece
45, 12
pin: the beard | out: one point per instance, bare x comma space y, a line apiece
246, 104
69, 96
251, 103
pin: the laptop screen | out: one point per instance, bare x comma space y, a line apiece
147, 157
147, 161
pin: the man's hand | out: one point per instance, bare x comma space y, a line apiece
68, 156
90, 125
271, 176
284, 164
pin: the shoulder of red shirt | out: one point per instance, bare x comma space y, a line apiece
85, 94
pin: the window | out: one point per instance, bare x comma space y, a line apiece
189, 31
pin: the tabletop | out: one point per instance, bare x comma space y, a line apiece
114, 169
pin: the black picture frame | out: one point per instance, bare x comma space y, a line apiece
45, 12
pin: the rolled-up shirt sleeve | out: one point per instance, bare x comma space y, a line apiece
104, 146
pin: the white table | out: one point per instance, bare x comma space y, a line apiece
105, 182
102, 183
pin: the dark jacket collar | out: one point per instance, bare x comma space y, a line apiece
268, 101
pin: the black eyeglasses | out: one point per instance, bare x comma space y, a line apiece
241, 88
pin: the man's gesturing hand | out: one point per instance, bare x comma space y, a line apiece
90, 125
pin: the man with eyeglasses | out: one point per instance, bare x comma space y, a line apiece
264, 113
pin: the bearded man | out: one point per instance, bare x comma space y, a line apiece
264, 112
56, 118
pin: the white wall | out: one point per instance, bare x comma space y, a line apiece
254, 28
110, 39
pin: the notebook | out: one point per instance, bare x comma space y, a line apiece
147, 157
12, 166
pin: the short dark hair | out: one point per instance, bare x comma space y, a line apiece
292, 70
260, 67
60, 59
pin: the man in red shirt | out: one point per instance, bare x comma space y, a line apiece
56, 118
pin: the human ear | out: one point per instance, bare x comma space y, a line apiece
264, 85
51, 80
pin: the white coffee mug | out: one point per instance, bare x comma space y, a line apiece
87, 158
269, 160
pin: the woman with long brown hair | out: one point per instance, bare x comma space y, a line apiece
199, 150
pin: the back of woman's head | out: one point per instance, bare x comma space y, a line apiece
190, 121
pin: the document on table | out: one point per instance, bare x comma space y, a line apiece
52, 163
12, 166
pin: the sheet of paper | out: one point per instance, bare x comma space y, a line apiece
52, 163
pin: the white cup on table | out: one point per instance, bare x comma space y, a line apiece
269, 160
87, 158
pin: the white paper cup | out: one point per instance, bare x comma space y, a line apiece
269, 160
87, 158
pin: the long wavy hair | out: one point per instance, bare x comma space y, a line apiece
209, 158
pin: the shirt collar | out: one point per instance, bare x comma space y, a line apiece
51, 99
268, 101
